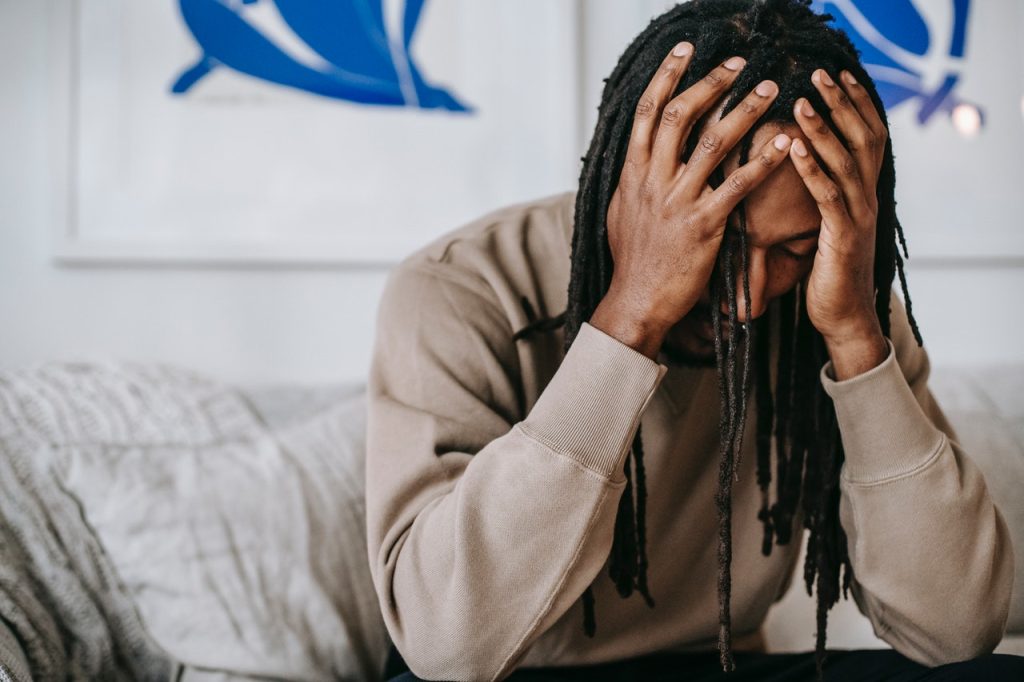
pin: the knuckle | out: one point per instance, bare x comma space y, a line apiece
831, 195
842, 100
765, 159
848, 166
648, 189
748, 107
710, 142
700, 222
864, 142
821, 130
670, 70
645, 107
691, 221
673, 114
666, 209
714, 78
737, 184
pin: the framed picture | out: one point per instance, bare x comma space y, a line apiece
303, 131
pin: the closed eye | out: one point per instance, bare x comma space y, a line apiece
796, 255
733, 234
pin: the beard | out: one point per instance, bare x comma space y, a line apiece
691, 342
682, 357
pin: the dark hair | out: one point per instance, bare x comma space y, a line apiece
785, 41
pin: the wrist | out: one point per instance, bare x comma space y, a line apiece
856, 352
629, 323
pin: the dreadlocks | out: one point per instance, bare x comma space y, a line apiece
782, 40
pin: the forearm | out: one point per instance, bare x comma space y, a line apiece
932, 559
531, 513
521, 520
930, 552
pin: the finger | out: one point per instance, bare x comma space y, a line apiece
862, 100
837, 158
859, 137
718, 140
683, 112
827, 194
878, 134
651, 102
748, 176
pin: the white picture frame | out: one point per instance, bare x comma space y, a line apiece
129, 174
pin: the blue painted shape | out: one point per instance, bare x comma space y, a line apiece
893, 94
899, 22
932, 103
869, 54
960, 8
191, 75
348, 34
413, 8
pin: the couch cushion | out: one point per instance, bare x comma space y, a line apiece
242, 544
986, 408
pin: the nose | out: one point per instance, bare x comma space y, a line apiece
758, 282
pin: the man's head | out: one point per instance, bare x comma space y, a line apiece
782, 225
769, 251
783, 41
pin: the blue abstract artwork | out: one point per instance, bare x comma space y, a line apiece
913, 61
361, 61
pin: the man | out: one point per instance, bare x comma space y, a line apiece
735, 211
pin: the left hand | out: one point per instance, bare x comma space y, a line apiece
841, 287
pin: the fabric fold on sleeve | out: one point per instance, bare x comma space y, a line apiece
885, 432
591, 408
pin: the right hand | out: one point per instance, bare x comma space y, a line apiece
665, 224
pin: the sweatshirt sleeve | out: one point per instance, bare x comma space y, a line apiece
931, 553
485, 525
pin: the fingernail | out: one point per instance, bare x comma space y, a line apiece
806, 109
682, 49
735, 63
799, 148
781, 142
765, 88
848, 77
823, 77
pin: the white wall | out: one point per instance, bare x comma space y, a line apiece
310, 325
315, 325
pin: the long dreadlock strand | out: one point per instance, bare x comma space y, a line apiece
723, 497
622, 560
744, 384
765, 416
641, 520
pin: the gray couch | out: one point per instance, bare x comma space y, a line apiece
155, 524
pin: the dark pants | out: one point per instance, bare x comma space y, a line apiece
867, 665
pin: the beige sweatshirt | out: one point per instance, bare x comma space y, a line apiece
494, 472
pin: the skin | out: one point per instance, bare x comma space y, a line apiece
782, 237
665, 224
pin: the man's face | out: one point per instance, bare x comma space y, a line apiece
782, 238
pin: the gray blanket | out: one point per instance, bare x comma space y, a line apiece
156, 524
63, 612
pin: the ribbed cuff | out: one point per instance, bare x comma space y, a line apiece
885, 432
591, 407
